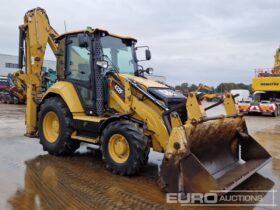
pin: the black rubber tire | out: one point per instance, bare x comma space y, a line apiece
138, 145
64, 145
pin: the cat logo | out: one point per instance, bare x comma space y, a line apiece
119, 89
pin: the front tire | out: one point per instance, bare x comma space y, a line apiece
124, 147
55, 127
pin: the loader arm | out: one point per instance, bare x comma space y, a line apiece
202, 155
35, 34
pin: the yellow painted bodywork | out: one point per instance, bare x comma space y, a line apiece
92, 31
266, 84
143, 110
84, 117
147, 83
204, 87
68, 93
207, 96
19, 90
211, 96
85, 139
39, 33
137, 107
197, 126
229, 105
195, 110
191, 148
270, 82
51, 127
118, 148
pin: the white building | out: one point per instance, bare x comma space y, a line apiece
9, 64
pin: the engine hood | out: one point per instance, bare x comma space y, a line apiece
162, 92
158, 90
147, 83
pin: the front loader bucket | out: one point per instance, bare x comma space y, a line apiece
216, 154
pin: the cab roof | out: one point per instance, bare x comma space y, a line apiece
94, 31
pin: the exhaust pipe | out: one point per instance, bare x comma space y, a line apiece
21, 48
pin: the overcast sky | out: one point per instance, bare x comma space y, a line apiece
194, 41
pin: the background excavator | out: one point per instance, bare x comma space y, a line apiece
14, 91
102, 97
210, 95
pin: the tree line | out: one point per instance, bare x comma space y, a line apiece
221, 88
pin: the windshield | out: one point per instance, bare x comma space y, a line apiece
120, 52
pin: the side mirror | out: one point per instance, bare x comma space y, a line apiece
148, 54
102, 64
82, 40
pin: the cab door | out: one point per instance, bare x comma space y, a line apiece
78, 71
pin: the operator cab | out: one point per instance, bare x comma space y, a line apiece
86, 57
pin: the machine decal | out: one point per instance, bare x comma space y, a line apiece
119, 89
270, 84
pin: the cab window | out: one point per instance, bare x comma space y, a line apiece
78, 65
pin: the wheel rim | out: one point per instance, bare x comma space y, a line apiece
51, 127
118, 148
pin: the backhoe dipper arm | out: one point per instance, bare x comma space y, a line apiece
205, 87
35, 34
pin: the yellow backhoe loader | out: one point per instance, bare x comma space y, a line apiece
102, 97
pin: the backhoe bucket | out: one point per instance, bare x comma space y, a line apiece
213, 155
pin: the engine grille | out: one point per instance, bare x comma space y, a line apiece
181, 111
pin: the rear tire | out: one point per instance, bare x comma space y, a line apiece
56, 141
135, 143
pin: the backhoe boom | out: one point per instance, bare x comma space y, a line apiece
35, 34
